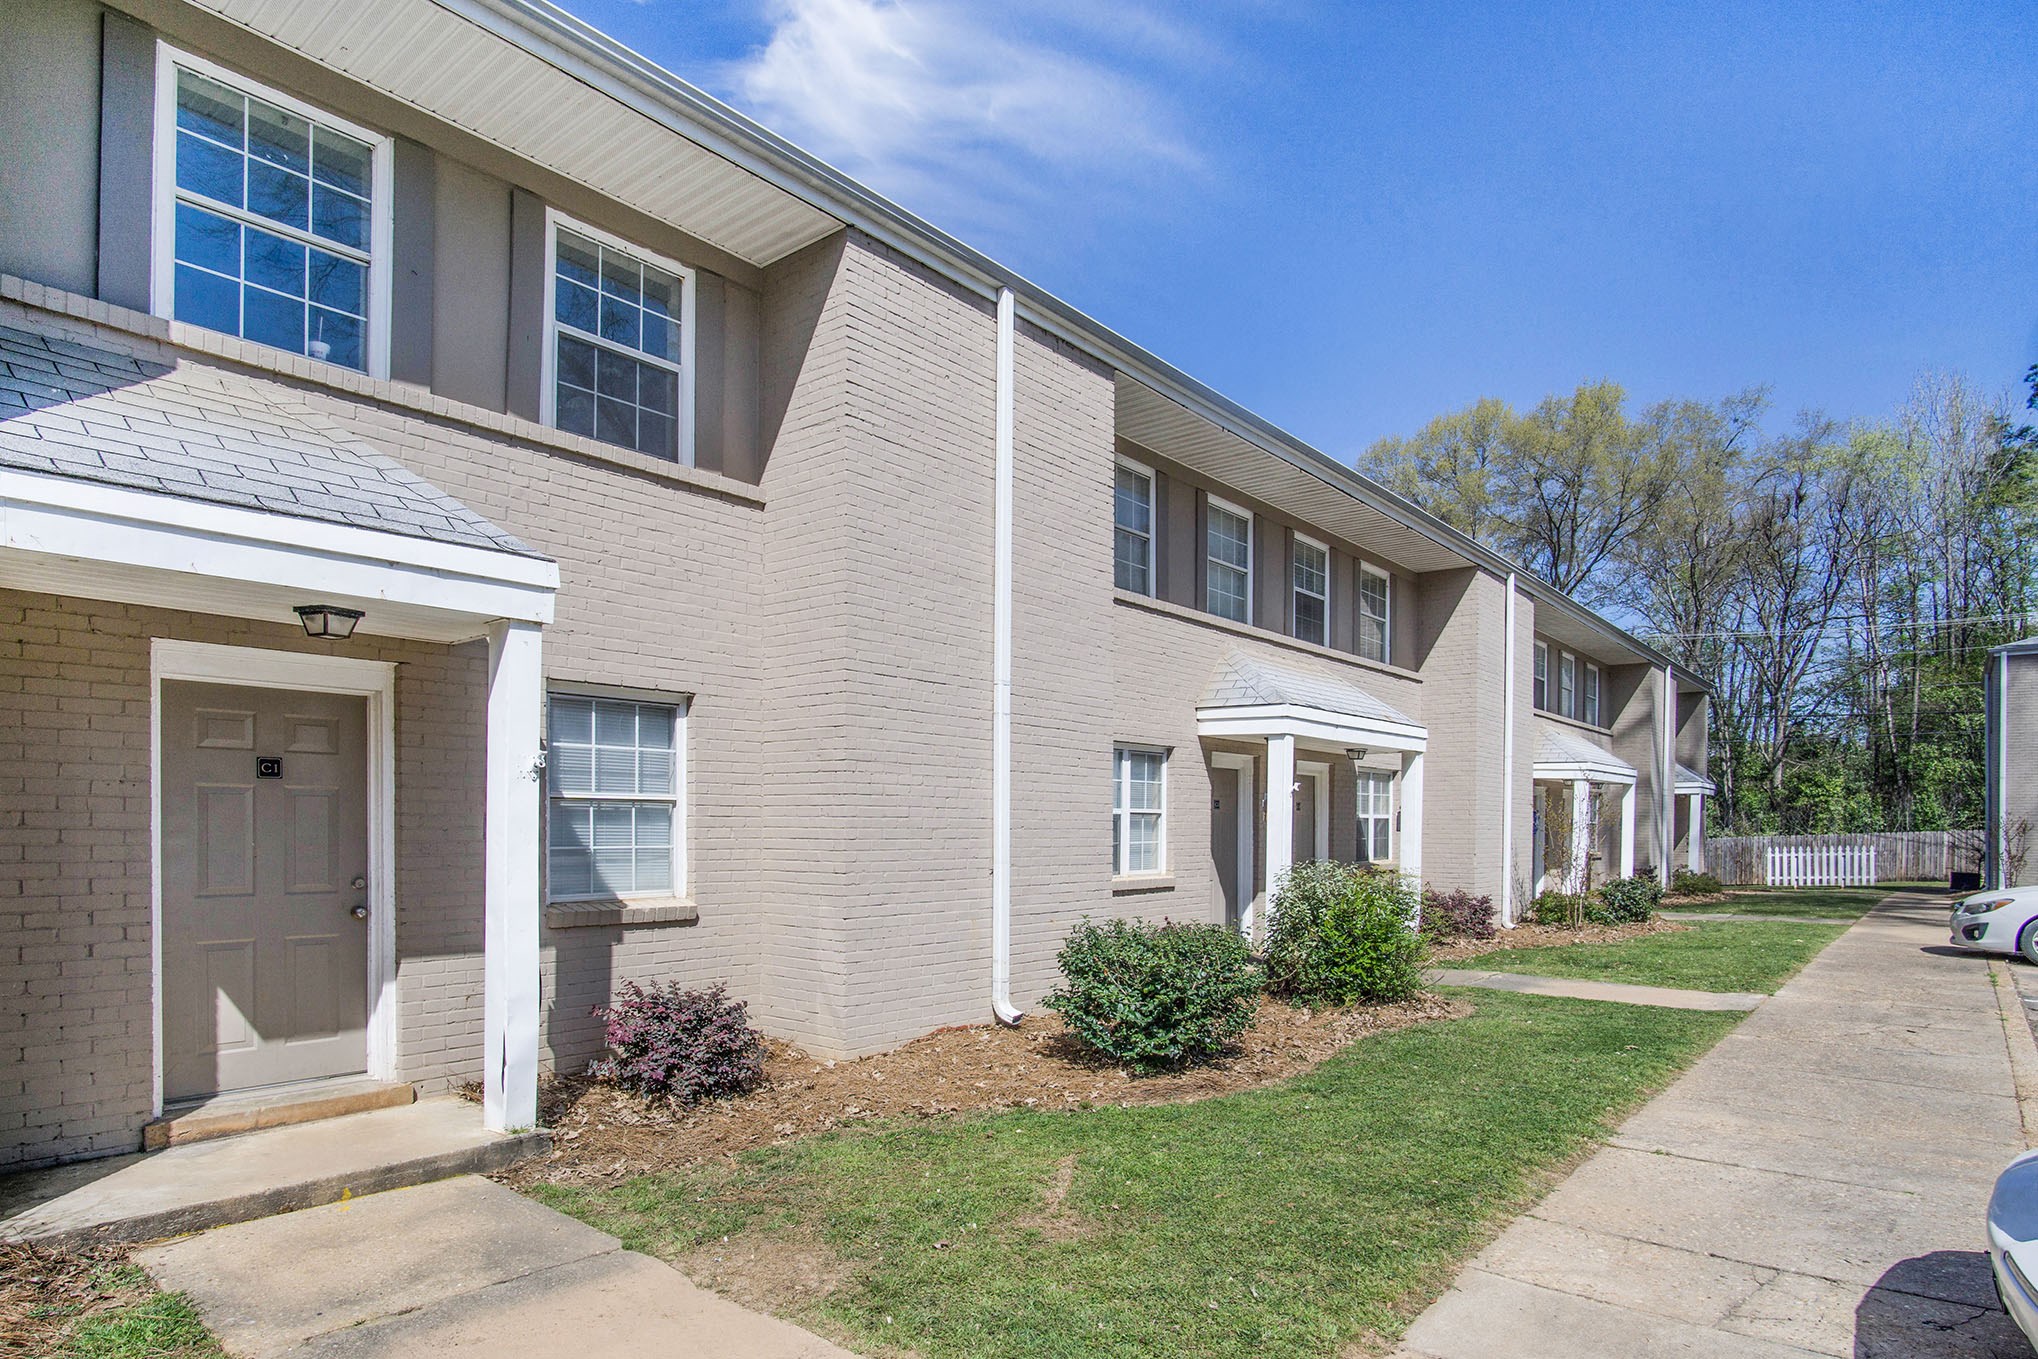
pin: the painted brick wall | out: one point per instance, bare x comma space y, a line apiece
1462, 659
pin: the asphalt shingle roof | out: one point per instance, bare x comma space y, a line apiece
1555, 745
1242, 681
210, 434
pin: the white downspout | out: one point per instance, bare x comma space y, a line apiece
1995, 863
1666, 791
1001, 686
1507, 769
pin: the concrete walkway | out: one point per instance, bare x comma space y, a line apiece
1759, 919
1814, 1185
1625, 993
462, 1266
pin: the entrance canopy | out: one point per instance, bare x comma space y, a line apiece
1251, 697
1567, 757
1690, 781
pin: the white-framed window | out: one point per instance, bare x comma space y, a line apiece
1567, 684
1543, 676
1376, 624
1132, 519
1311, 580
616, 816
1591, 713
619, 325
1376, 816
1139, 800
272, 218
1228, 545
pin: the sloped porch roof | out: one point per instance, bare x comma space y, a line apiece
1689, 780
1255, 696
1568, 755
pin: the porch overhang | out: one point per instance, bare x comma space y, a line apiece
62, 535
1253, 698
1689, 782
1567, 758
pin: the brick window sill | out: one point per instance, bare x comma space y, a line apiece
612, 913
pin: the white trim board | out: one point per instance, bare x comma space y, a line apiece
1555, 771
142, 542
257, 668
1312, 724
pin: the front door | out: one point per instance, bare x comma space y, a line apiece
265, 857
1230, 791
1308, 798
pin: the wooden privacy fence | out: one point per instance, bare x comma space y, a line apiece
1898, 856
1821, 865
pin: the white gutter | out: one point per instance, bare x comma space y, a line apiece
1997, 815
1001, 686
1507, 768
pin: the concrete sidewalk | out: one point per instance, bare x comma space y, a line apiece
462, 1266
1815, 1185
1578, 988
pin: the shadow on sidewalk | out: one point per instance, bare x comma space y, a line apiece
1941, 1305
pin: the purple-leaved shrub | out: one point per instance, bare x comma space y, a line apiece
687, 1045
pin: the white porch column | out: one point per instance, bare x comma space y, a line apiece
516, 690
1410, 853
1695, 854
1280, 813
1582, 831
1627, 831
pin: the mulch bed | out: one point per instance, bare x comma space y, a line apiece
44, 1294
601, 1134
1528, 935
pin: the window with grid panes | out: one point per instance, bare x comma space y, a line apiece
617, 346
613, 768
1138, 810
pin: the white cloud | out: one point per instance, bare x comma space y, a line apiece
960, 112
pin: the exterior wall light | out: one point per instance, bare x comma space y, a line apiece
1355, 753
328, 620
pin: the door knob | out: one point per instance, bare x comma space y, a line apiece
360, 911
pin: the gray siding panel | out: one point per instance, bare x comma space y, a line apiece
471, 286
414, 301
49, 173
127, 114
526, 304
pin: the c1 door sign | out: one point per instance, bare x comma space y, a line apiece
268, 766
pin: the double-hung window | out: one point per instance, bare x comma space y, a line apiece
1138, 810
271, 218
1132, 516
1228, 545
1311, 573
1567, 684
1591, 713
615, 768
1376, 816
1542, 676
1376, 637
619, 344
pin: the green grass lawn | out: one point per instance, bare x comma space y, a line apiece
1721, 955
1292, 1220
156, 1326
1838, 903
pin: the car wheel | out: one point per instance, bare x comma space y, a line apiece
2027, 941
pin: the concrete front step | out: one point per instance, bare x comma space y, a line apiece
229, 1115
235, 1179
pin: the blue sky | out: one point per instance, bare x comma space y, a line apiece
1352, 217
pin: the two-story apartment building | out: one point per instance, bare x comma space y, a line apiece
480, 520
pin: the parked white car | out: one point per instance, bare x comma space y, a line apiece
2000, 920
2013, 1241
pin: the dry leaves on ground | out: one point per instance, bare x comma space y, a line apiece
602, 1134
1550, 936
44, 1294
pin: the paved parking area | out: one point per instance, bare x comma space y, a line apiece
1813, 1186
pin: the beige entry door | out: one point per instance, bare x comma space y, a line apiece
265, 862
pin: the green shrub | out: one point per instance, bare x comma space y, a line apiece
1568, 910
1343, 933
1627, 900
1156, 997
1686, 882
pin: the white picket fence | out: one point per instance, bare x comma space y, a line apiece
1821, 865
